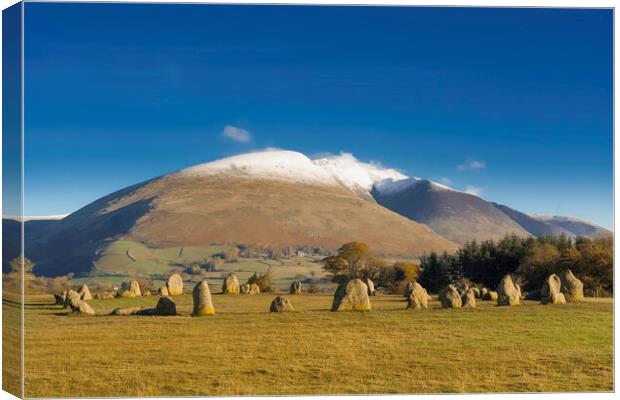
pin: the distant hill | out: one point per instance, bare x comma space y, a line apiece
279, 199
539, 225
276, 198
536, 227
576, 226
11, 236
455, 215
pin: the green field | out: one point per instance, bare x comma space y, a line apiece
244, 350
123, 260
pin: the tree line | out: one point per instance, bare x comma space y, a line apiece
530, 260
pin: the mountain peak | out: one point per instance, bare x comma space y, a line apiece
268, 164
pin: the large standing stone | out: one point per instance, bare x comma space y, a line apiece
231, 284
450, 298
295, 288
134, 289
254, 289
85, 293
461, 287
245, 288
202, 300
371, 287
165, 306
571, 287
418, 299
508, 294
281, 304
476, 292
163, 291
468, 299
83, 308
72, 299
174, 285
352, 294
483, 293
60, 298
550, 293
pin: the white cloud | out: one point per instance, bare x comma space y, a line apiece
446, 180
476, 191
471, 164
237, 134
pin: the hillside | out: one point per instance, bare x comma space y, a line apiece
576, 226
192, 209
458, 216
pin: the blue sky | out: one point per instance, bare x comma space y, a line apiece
513, 103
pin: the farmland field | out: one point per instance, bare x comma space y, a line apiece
123, 260
244, 350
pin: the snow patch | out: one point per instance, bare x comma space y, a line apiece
291, 166
356, 174
271, 164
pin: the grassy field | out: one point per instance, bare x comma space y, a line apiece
244, 350
123, 260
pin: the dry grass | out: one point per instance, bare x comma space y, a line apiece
243, 350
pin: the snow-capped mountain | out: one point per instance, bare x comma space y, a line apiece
279, 198
291, 166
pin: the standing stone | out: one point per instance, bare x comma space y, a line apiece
550, 293
83, 308
163, 291
254, 289
476, 292
174, 285
461, 287
165, 306
353, 295
281, 304
231, 284
295, 288
60, 298
245, 288
408, 289
508, 294
134, 289
450, 298
571, 287
483, 293
468, 299
490, 295
418, 299
72, 299
85, 293
371, 287
202, 300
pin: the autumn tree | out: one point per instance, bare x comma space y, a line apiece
541, 261
353, 260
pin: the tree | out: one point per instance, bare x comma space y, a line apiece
263, 281
595, 266
353, 260
16, 265
439, 271
541, 262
